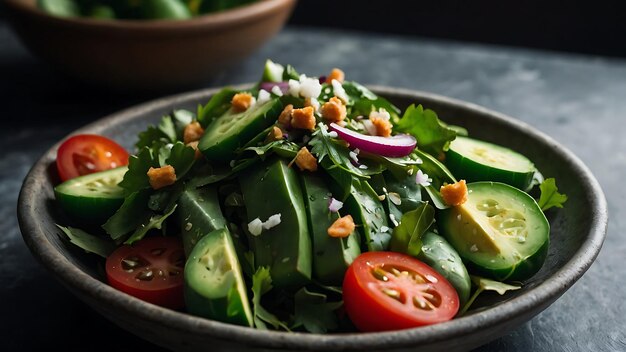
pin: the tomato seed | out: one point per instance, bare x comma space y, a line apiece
145, 275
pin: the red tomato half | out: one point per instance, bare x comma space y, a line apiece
392, 291
88, 153
151, 270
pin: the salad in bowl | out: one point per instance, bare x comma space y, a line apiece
307, 204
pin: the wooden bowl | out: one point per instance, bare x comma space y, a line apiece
577, 234
142, 55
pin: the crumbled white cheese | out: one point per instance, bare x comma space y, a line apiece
381, 113
272, 221
310, 87
333, 134
276, 90
264, 97
255, 227
294, 87
422, 179
339, 91
334, 205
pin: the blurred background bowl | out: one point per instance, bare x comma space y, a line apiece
147, 55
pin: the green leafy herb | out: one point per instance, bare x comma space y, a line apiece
487, 285
154, 222
88, 242
136, 178
439, 174
169, 130
129, 216
181, 158
290, 73
550, 197
261, 284
433, 136
364, 101
314, 312
407, 236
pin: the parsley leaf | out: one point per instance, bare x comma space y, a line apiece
365, 101
129, 216
433, 136
314, 313
169, 130
550, 197
154, 222
136, 178
261, 284
88, 242
487, 285
407, 236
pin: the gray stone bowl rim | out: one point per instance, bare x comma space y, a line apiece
536, 299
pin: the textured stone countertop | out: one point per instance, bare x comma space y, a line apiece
579, 100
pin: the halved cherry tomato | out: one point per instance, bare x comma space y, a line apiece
88, 153
151, 270
392, 291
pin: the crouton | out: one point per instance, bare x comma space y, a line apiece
383, 126
336, 74
194, 145
285, 116
342, 227
161, 176
305, 160
303, 118
454, 194
242, 102
193, 132
334, 110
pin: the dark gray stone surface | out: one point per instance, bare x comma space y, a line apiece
578, 100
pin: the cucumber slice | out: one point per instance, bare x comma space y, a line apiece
232, 130
199, 213
214, 285
331, 256
93, 198
500, 231
474, 160
271, 188
273, 72
442, 257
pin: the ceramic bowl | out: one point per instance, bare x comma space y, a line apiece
138, 55
578, 231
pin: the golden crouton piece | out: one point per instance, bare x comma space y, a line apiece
162, 176
383, 126
334, 110
194, 145
285, 116
242, 101
193, 132
336, 74
303, 118
305, 160
454, 194
342, 227
275, 134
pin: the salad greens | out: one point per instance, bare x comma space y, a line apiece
271, 216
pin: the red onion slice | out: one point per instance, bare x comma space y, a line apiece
394, 146
283, 86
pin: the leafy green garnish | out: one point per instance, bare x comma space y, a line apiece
314, 312
550, 197
169, 130
439, 174
181, 158
290, 73
136, 178
364, 101
261, 284
407, 236
487, 285
433, 135
154, 222
129, 216
90, 243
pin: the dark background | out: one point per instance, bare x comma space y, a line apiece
592, 27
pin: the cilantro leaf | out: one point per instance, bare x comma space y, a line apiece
88, 242
314, 313
261, 284
433, 136
550, 197
181, 158
154, 222
336, 150
129, 216
487, 285
150, 136
407, 236
136, 178
169, 130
